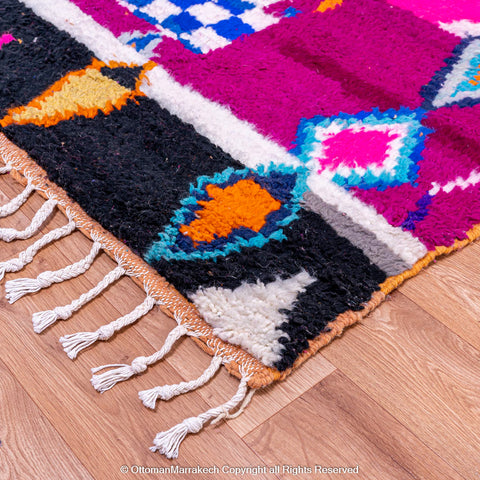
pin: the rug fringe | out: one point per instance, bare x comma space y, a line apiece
26, 256
166, 392
9, 234
17, 288
73, 344
13, 205
42, 320
168, 443
107, 380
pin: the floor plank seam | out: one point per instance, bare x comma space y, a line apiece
382, 408
46, 419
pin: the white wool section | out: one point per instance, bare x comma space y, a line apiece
249, 315
216, 122
462, 28
206, 39
157, 9
68, 17
402, 243
208, 13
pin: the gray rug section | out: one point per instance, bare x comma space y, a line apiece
372, 247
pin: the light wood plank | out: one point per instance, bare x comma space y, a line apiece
115, 424
30, 447
335, 424
449, 291
422, 374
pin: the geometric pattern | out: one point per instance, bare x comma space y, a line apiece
81, 93
249, 237
459, 81
368, 150
200, 25
231, 211
262, 309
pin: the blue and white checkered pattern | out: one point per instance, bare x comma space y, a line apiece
201, 25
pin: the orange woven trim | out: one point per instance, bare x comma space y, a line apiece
349, 318
174, 304
391, 283
336, 328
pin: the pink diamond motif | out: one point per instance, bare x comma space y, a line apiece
356, 149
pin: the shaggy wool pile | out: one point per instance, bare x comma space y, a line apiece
268, 170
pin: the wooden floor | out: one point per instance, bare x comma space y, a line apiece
398, 395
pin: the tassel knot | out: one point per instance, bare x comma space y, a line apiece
42, 281
107, 380
139, 365
149, 397
166, 392
75, 343
62, 313
193, 424
16, 289
224, 413
168, 443
105, 332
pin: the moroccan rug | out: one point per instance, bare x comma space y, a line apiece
267, 170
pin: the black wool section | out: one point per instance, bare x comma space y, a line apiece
128, 170
345, 277
345, 281
44, 56
125, 76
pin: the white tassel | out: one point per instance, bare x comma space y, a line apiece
166, 392
42, 320
168, 443
13, 205
25, 257
17, 288
73, 344
5, 169
9, 234
107, 380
